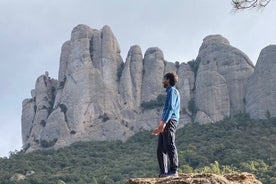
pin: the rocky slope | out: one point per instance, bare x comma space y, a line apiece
242, 178
98, 96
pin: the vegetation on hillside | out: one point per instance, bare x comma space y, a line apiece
235, 144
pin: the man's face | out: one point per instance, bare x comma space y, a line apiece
166, 82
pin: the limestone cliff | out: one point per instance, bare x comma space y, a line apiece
99, 97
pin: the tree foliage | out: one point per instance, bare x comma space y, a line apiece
244, 4
236, 144
159, 102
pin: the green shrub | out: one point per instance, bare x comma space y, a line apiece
43, 123
62, 83
159, 102
192, 106
47, 144
194, 64
63, 108
104, 117
236, 144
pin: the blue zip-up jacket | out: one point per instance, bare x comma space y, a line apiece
172, 105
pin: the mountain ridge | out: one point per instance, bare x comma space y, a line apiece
98, 96
238, 144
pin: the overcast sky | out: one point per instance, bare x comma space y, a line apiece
33, 31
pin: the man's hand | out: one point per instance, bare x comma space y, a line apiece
159, 129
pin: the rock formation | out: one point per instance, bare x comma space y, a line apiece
131, 79
221, 78
241, 178
154, 65
99, 97
261, 88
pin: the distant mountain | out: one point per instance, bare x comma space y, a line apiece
98, 96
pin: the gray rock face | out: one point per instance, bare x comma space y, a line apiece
153, 72
64, 59
261, 88
90, 90
202, 118
36, 110
185, 85
212, 96
131, 79
228, 64
87, 90
27, 118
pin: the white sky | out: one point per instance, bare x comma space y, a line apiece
33, 31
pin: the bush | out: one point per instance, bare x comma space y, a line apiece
194, 64
62, 83
47, 144
159, 102
192, 106
236, 144
104, 117
43, 123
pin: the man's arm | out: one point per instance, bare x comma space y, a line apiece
160, 128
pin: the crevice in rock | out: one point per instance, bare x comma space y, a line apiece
91, 50
63, 109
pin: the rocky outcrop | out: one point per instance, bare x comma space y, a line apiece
200, 178
36, 110
261, 88
212, 86
131, 79
221, 78
154, 65
186, 85
99, 97
86, 93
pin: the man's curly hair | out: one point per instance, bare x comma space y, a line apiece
172, 77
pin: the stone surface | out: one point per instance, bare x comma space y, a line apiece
27, 118
185, 85
228, 64
202, 118
241, 178
131, 79
17, 177
36, 110
261, 88
212, 96
153, 72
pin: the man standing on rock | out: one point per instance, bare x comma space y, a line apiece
167, 127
